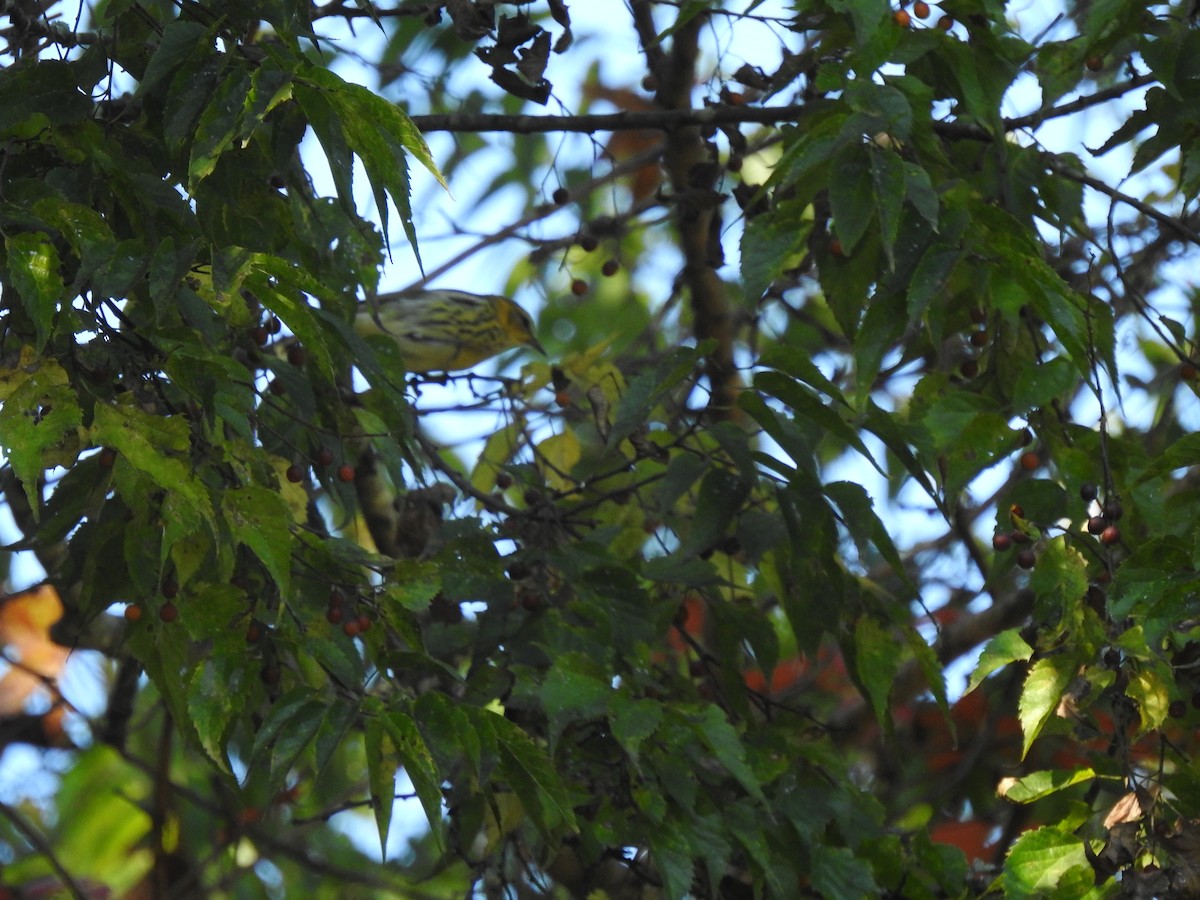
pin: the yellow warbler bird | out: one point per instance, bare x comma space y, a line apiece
442, 330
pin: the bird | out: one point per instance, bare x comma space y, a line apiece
446, 330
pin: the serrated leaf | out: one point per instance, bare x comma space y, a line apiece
837, 872
1005, 648
39, 419
1148, 690
1040, 859
381, 778
888, 179
1041, 695
876, 662
1036, 785
851, 196
533, 779
33, 268
726, 744
259, 519
419, 765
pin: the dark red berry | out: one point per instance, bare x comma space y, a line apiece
1001, 542
1026, 559
1110, 535
560, 196
168, 612
1096, 525
610, 268
579, 287
345, 473
1088, 492
294, 473
108, 458
296, 355
324, 456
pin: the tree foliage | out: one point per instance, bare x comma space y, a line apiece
861, 380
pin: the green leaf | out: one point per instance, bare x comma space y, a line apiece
1152, 695
532, 777
1040, 860
876, 662
380, 134
722, 739
1037, 785
33, 266
40, 421
1038, 385
259, 518
888, 180
156, 446
381, 777
837, 872
218, 125
418, 763
1041, 694
852, 197
571, 692
1005, 648
648, 389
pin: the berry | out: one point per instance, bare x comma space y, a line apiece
1026, 558
1001, 542
168, 612
133, 613
345, 473
1113, 510
946, 23
1177, 709
1020, 537
254, 632
562, 398
351, 629
588, 242
1030, 461
1112, 658
364, 623
1088, 492
334, 615
560, 196
579, 287
324, 456
1096, 524
978, 338
277, 387
650, 84
261, 335
108, 457
1110, 535
274, 326
921, 9
169, 588
902, 18
1188, 372
610, 268
269, 674
294, 473
504, 480
969, 368
296, 355
1094, 63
